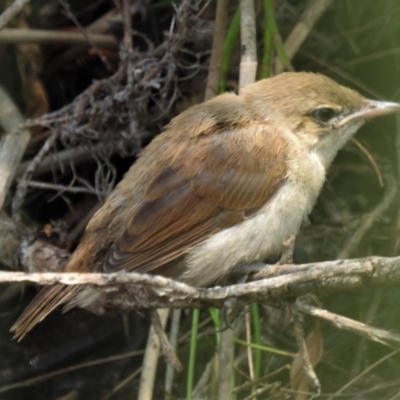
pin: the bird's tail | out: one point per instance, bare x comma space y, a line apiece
42, 305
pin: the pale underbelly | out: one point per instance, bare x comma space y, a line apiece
250, 241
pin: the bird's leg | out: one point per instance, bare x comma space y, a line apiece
233, 308
287, 253
261, 271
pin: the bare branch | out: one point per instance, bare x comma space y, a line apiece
292, 281
390, 339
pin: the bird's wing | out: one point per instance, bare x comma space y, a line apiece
206, 187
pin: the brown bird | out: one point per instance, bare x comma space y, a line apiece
226, 183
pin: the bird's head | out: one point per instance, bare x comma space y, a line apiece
321, 113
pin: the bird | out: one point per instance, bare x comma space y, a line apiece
225, 184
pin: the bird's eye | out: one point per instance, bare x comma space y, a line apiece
323, 114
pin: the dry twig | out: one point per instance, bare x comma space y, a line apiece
23, 183
370, 158
88, 364
309, 374
60, 188
11, 12
390, 339
17, 36
73, 18
101, 25
62, 159
362, 374
369, 219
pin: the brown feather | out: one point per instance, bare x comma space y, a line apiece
47, 300
206, 188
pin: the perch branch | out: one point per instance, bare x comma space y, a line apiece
294, 281
289, 281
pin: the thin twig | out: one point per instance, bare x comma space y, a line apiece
60, 188
37, 379
73, 18
309, 373
41, 36
101, 25
263, 379
390, 339
11, 12
166, 347
362, 374
62, 159
123, 383
202, 384
262, 391
23, 183
369, 219
370, 158
360, 355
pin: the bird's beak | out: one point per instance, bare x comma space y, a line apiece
371, 109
